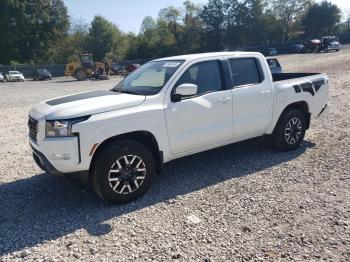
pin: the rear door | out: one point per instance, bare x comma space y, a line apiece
252, 97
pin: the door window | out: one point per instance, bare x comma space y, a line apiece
206, 75
245, 71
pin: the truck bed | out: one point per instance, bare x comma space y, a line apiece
287, 76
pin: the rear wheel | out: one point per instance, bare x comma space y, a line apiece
81, 75
290, 130
123, 171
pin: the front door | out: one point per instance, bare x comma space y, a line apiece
204, 119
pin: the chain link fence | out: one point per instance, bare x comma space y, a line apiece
28, 70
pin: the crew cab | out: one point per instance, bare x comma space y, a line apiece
167, 109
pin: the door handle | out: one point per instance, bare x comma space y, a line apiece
265, 92
224, 100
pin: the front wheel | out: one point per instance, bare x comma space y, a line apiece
290, 130
81, 75
123, 171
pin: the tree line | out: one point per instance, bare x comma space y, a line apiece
40, 31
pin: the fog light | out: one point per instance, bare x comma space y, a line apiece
60, 157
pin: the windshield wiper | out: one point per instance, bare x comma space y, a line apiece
128, 92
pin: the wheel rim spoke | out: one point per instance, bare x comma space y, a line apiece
122, 190
140, 162
126, 160
116, 185
119, 165
132, 160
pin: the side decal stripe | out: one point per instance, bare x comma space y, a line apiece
309, 87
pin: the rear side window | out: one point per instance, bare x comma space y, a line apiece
245, 71
272, 63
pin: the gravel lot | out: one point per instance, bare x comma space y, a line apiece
237, 203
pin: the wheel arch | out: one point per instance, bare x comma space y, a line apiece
300, 105
145, 138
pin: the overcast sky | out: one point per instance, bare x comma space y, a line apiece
128, 14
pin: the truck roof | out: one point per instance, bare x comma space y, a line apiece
206, 55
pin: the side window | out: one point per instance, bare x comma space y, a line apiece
272, 63
206, 75
245, 71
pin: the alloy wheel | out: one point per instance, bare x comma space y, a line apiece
127, 174
293, 131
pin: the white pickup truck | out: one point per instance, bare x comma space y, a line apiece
170, 108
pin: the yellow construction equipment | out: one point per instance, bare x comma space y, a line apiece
83, 67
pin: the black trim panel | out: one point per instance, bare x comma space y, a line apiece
287, 76
297, 88
318, 84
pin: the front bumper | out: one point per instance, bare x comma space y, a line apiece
53, 155
44, 164
61, 153
82, 176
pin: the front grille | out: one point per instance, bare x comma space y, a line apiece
33, 128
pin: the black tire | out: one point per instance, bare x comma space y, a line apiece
128, 188
284, 139
81, 75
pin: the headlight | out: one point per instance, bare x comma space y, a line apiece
62, 128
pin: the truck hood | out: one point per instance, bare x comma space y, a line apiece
85, 104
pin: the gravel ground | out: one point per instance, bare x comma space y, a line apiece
238, 203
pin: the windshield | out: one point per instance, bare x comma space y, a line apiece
14, 72
148, 79
42, 71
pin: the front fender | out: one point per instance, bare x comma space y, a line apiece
98, 128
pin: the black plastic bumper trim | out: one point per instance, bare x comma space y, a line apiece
323, 109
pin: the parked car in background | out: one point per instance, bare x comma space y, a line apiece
296, 49
274, 65
118, 69
14, 76
41, 74
2, 78
131, 68
270, 51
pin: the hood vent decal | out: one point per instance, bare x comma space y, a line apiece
72, 98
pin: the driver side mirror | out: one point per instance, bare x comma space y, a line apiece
183, 90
